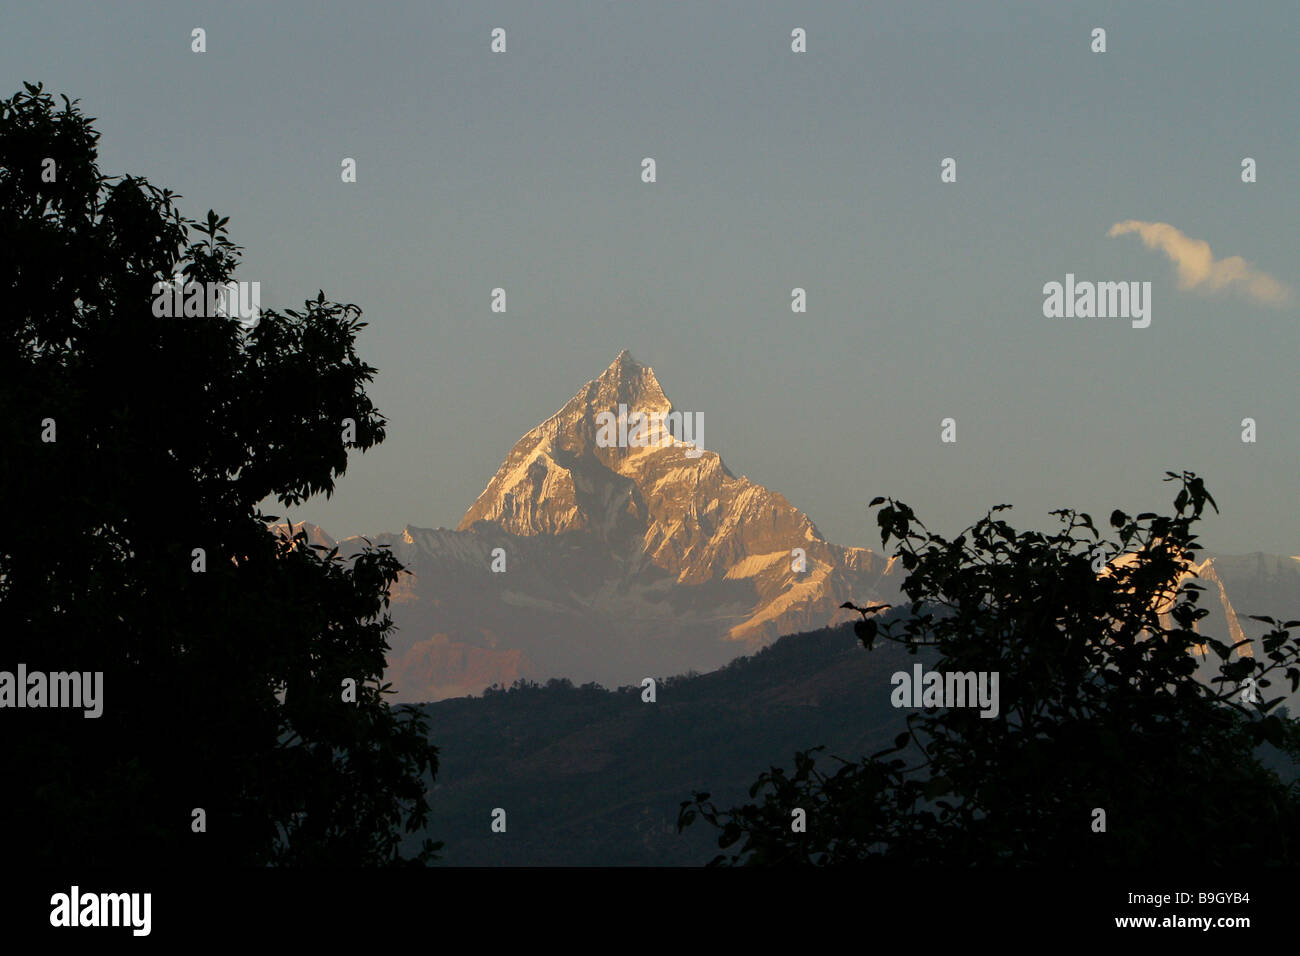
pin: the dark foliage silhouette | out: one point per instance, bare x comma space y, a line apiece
223, 687
1102, 708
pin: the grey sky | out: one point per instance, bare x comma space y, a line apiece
776, 170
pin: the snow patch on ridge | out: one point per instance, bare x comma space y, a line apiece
755, 565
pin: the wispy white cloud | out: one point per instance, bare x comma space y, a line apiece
1198, 270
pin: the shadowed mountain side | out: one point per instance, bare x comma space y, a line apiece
567, 606
1239, 585
594, 777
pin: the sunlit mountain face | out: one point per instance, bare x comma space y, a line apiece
611, 545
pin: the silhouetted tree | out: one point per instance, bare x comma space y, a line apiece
1101, 708
224, 685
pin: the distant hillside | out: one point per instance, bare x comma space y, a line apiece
589, 776
593, 777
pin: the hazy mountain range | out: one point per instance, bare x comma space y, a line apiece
626, 562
